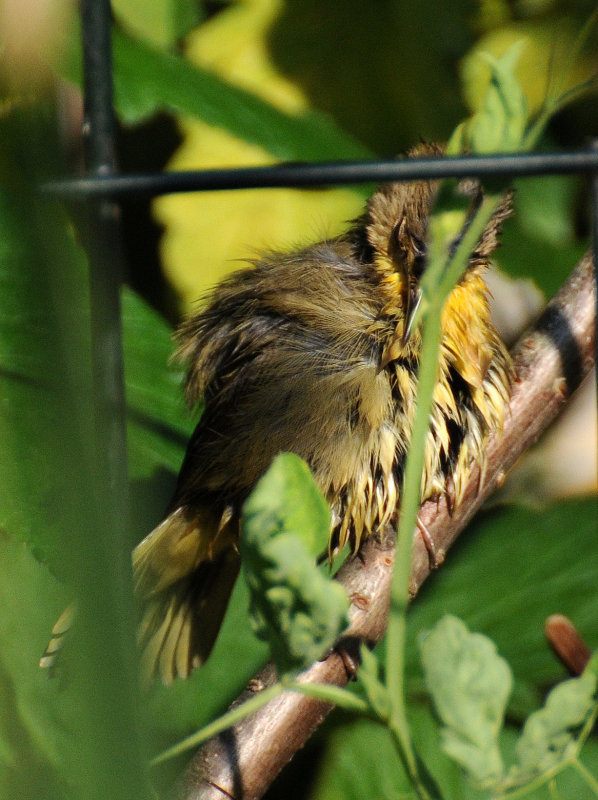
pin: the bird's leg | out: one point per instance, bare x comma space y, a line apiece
348, 651
428, 543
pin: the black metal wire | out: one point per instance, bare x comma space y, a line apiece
321, 174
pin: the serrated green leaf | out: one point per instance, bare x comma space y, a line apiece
470, 684
549, 733
299, 610
287, 500
500, 123
500, 570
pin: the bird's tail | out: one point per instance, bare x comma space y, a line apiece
184, 573
62, 626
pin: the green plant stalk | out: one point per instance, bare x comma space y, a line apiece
571, 761
558, 98
334, 695
541, 780
587, 728
227, 720
399, 597
397, 624
529, 788
586, 776
455, 266
414, 767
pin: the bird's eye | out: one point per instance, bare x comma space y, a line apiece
419, 247
420, 251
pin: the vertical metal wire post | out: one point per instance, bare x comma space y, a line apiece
103, 552
104, 261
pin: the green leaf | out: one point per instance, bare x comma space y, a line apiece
539, 241
287, 500
44, 371
285, 524
34, 728
158, 424
360, 761
500, 124
148, 80
549, 734
510, 570
50, 486
470, 684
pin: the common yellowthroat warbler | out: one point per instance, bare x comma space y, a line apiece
313, 352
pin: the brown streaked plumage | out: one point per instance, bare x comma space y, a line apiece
309, 352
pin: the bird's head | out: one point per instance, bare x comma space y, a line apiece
395, 226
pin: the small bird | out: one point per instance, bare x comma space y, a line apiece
313, 352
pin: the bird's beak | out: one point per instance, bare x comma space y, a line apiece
413, 250
413, 300
411, 297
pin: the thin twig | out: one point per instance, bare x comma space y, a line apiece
551, 361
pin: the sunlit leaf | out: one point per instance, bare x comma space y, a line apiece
500, 123
470, 684
549, 733
299, 610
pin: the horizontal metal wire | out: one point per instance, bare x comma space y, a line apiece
328, 173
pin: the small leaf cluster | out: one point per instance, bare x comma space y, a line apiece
500, 123
294, 605
470, 685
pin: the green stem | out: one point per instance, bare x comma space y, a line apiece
586, 776
539, 781
415, 774
227, 720
587, 728
457, 263
530, 787
331, 694
397, 624
399, 598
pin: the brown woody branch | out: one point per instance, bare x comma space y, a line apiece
551, 361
